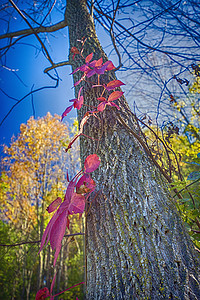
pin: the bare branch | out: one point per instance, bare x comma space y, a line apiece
30, 93
39, 29
34, 32
37, 242
60, 64
140, 41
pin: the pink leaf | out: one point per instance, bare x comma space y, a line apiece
81, 182
42, 294
85, 184
57, 233
99, 62
102, 106
46, 234
69, 191
74, 50
54, 205
101, 99
89, 57
84, 68
77, 204
115, 95
113, 84
101, 70
109, 65
91, 163
67, 110
92, 64
90, 73
78, 103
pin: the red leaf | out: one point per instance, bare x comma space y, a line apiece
89, 57
85, 184
57, 233
69, 191
99, 62
84, 68
74, 50
113, 84
90, 73
54, 205
77, 204
101, 70
91, 163
67, 110
101, 99
93, 63
109, 65
42, 294
115, 95
79, 102
102, 106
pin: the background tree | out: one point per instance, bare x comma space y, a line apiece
135, 240
33, 175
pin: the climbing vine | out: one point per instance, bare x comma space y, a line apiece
81, 185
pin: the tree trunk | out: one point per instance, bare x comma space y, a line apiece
136, 244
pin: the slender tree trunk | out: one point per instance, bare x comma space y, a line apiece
30, 275
136, 244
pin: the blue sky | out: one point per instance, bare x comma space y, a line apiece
27, 65
23, 71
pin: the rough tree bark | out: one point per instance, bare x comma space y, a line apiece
136, 244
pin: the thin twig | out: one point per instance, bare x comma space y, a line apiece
60, 64
30, 93
34, 31
187, 186
37, 242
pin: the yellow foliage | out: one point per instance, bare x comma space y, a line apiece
35, 168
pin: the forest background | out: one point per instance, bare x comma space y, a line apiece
162, 86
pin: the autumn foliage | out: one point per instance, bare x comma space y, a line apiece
81, 185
